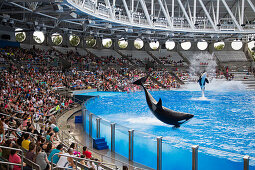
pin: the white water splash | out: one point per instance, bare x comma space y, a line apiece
203, 62
218, 85
202, 99
146, 120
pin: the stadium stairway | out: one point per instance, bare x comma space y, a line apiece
183, 57
155, 58
246, 78
124, 56
91, 53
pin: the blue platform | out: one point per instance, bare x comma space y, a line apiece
78, 119
100, 144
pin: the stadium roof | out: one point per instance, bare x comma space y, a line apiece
180, 20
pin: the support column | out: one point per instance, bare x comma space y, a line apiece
98, 127
113, 137
90, 124
194, 157
159, 153
246, 162
131, 145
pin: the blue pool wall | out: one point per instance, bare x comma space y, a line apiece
145, 148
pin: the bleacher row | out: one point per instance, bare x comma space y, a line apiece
223, 56
230, 56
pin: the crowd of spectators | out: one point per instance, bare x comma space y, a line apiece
28, 105
29, 99
90, 74
169, 61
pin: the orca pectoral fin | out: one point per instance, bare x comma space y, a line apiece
206, 80
159, 104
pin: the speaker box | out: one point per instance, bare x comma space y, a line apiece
6, 37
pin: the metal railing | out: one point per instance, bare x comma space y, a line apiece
9, 163
11, 129
76, 159
67, 139
13, 117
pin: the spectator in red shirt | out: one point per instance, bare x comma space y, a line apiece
86, 153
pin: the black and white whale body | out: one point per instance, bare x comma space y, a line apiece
202, 81
162, 113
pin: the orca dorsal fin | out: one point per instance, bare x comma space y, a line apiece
159, 104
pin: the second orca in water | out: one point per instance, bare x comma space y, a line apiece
162, 113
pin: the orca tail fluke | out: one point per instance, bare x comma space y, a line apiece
140, 81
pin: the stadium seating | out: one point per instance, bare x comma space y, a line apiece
141, 55
104, 53
228, 56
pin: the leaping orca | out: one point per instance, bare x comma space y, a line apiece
162, 113
202, 80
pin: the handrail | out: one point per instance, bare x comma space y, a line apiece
93, 151
29, 163
77, 158
124, 163
21, 131
11, 116
9, 163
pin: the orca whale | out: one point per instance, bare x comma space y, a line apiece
202, 80
162, 113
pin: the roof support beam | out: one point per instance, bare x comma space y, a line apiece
145, 10
186, 15
194, 11
218, 12
127, 11
159, 11
208, 15
251, 4
166, 14
173, 9
232, 16
107, 3
152, 7
42, 14
242, 12
213, 13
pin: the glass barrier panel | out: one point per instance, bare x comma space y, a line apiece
94, 127
121, 140
145, 144
252, 163
214, 159
175, 156
105, 131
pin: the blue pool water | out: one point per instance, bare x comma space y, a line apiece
223, 127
